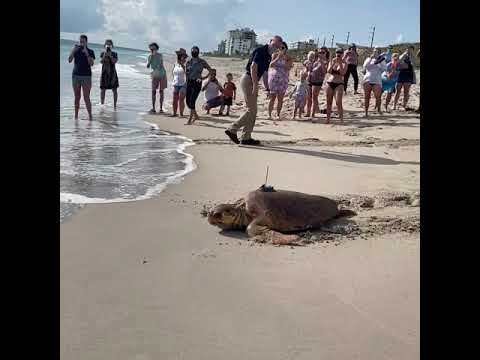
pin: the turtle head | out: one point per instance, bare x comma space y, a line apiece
228, 216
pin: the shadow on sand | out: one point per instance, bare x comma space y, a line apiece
335, 155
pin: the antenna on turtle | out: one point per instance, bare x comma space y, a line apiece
265, 187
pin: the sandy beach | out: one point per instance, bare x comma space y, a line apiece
152, 279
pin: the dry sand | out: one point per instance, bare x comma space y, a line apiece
152, 280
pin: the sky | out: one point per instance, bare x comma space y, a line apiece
184, 23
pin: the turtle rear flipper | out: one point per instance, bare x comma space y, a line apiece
260, 233
345, 213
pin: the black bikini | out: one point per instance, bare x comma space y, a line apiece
334, 85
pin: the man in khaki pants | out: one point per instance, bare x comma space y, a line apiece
256, 68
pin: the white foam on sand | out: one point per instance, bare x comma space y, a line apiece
171, 178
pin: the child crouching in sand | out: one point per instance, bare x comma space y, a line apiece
229, 94
213, 92
300, 92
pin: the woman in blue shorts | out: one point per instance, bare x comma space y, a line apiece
179, 82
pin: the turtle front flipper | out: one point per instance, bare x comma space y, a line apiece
261, 233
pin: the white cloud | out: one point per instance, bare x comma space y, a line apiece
169, 23
307, 37
264, 35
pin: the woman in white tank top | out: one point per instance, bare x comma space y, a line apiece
179, 82
373, 67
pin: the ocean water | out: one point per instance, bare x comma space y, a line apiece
118, 156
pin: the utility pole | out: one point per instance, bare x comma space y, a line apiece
372, 36
348, 36
324, 39
333, 37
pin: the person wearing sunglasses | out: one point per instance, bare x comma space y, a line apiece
351, 58
336, 70
193, 69
278, 74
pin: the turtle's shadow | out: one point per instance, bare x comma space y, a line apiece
341, 226
236, 234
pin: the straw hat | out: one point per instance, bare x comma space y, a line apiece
181, 51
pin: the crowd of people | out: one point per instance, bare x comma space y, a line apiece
387, 72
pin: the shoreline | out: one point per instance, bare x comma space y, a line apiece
82, 201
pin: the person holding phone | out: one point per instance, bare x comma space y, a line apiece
373, 68
316, 67
158, 75
83, 59
278, 74
406, 77
351, 58
389, 79
109, 77
336, 70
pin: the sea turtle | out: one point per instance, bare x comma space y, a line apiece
275, 216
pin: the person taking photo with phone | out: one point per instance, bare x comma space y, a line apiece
278, 74
83, 59
109, 77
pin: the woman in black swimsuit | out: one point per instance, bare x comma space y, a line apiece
406, 77
336, 70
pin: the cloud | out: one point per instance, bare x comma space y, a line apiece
399, 38
307, 37
170, 23
264, 35
77, 17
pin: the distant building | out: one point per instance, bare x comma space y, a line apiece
240, 41
303, 45
222, 47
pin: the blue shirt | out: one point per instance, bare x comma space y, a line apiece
388, 57
81, 67
262, 58
389, 69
